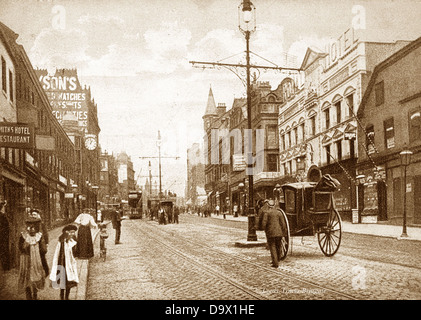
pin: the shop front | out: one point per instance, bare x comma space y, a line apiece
372, 195
345, 197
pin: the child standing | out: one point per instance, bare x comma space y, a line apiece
32, 247
64, 269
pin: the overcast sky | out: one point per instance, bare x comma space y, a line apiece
134, 54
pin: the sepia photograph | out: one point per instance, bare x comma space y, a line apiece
208, 155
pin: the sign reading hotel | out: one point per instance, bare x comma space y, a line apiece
339, 48
16, 135
65, 94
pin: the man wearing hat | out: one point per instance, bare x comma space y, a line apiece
272, 223
64, 269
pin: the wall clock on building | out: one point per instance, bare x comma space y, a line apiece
90, 142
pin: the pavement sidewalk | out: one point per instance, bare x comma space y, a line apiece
374, 229
8, 291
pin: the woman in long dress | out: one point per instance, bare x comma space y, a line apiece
85, 247
32, 271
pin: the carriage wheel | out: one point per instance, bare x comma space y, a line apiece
330, 235
286, 239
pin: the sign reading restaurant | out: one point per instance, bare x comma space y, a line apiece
16, 135
65, 94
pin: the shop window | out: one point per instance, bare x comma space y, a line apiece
389, 133
414, 126
379, 93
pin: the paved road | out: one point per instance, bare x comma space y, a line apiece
197, 260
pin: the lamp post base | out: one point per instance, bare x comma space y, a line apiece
251, 236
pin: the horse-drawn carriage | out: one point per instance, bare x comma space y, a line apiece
308, 209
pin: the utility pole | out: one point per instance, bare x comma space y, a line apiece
247, 25
158, 144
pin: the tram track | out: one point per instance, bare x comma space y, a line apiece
253, 294
283, 282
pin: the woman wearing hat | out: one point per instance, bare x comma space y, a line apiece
64, 269
32, 247
85, 247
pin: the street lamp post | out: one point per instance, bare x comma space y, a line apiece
247, 25
405, 161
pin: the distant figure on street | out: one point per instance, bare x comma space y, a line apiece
272, 223
176, 213
64, 268
116, 221
85, 247
235, 210
217, 210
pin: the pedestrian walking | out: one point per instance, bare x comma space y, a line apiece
274, 228
217, 210
64, 267
176, 213
43, 228
4, 237
116, 221
84, 247
32, 272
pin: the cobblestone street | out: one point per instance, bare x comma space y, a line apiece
197, 260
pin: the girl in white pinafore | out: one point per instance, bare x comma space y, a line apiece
85, 247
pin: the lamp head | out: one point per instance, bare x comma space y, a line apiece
247, 16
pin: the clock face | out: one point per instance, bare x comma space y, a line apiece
90, 143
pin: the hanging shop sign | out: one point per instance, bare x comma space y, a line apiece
238, 162
16, 135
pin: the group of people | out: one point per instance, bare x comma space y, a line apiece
168, 215
74, 242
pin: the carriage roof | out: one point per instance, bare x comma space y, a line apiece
300, 185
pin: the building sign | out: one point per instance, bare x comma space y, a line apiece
238, 162
338, 78
16, 135
65, 95
340, 47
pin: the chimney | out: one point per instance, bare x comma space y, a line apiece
222, 108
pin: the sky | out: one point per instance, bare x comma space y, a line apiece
135, 56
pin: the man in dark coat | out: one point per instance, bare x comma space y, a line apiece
273, 224
116, 221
